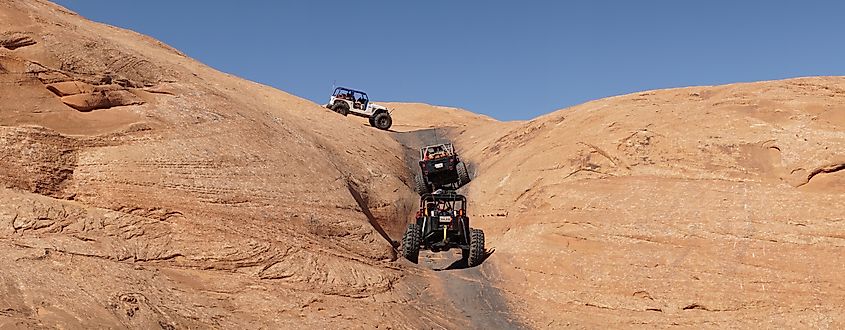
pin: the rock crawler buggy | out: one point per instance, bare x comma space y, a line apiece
440, 167
442, 224
349, 101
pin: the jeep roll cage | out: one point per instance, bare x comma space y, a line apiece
446, 148
454, 201
441, 229
344, 89
363, 99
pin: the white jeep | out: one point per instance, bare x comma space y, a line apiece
345, 101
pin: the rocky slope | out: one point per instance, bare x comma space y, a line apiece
702, 206
141, 188
419, 116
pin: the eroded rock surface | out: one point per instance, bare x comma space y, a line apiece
702, 206
15, 40
142, 189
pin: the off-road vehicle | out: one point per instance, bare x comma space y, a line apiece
440, 167
442, 224
349, 101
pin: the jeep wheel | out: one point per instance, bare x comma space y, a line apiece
463, 174
372, 123
382, 120
341, 107
411, 243
476, 247
420, 185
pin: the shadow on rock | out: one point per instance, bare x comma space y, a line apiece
462, 263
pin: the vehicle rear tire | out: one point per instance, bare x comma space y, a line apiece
420, 185
372, 123
463, 174
341, 107
411, 243
476, 247
382, 120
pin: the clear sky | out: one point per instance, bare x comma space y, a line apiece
507, 59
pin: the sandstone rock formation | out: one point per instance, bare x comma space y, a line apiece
702, 206
142, 189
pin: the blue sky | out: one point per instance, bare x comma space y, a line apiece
507, 59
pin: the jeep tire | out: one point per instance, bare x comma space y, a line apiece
411, 243
341, 107
420, 185
382, 120
463, 174
476, 247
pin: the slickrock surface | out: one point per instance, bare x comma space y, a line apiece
143, 189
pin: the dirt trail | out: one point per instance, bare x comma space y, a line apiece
414, 140
470, 292
144, 189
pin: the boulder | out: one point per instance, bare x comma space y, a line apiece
66, 88
101, 100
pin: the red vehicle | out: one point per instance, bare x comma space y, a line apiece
440, 167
